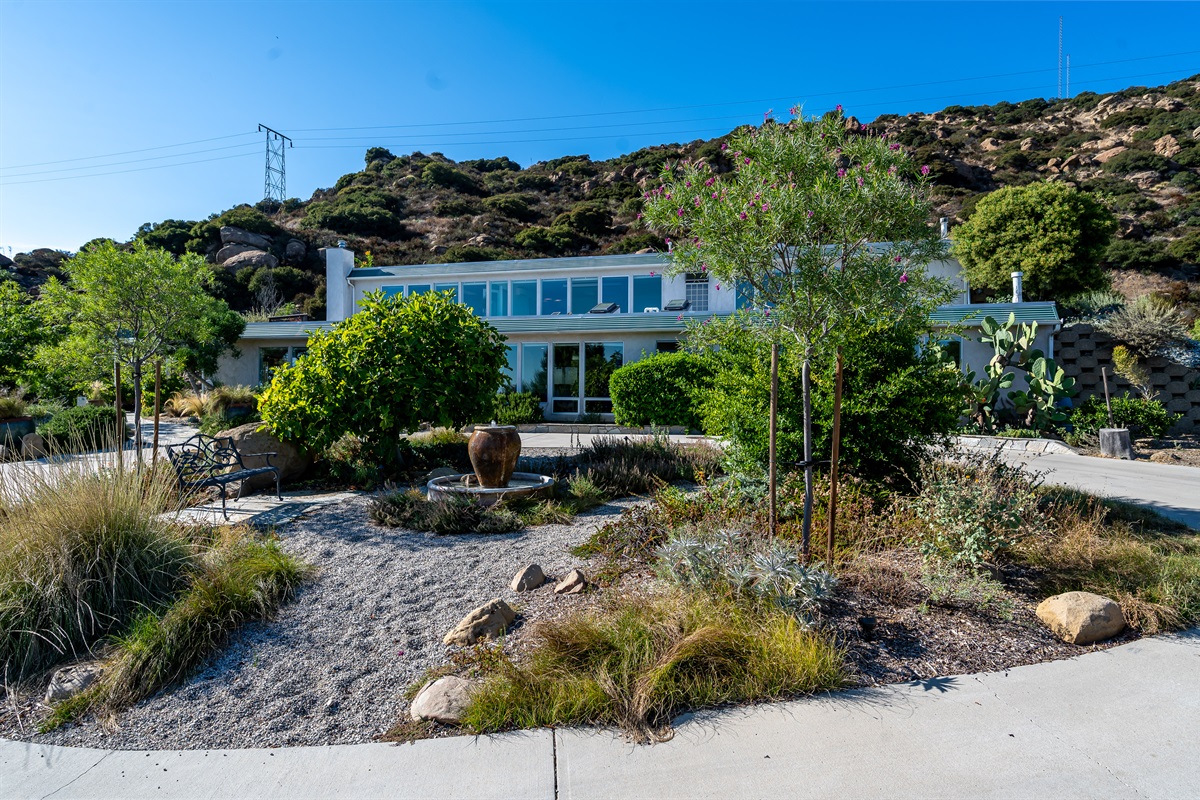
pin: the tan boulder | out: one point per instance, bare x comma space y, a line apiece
528, 577
991, 143
1081, 617
254, 437
1110, 153
1167, 146
443, 700
486, 622
574, 583
70, 681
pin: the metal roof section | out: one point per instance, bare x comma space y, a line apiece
583, 263
973, 314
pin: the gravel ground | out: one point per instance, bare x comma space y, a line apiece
331, 667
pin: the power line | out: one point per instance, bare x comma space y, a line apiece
131, 161
127, 152
123, 171
744, 102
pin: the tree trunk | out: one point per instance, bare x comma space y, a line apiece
772, 464
120, 443
808, 467
137, 413
833, 458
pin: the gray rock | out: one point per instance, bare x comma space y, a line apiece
440, 472
295, 250
292, 460
230, 250
5, 261
1081, 617
528, 577
252, 258
33, 446
486, 622
70, 681
574, 583
443, 700
232, 235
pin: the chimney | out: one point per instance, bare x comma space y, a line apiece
944, 225
1018, 295
339, 295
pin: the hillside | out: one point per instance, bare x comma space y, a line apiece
1139, 149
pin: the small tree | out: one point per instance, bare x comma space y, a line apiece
797, 224
393, 365
1052, 232
21, 329
134, 305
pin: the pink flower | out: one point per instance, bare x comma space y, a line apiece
924, 169
689, 184
839, 108
714, 195
724, 147
704, 267
897, 259
679, 318
768, 312
668, 195
794, 110
768, 114
862, 127
696, 200
904, 277
651, 273
679, 212
841, 173
639, 216
718, 287
710, 181
893, 146
860, 181
742, 215
810, 214
766, 206
747, 160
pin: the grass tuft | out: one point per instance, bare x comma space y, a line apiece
639, 662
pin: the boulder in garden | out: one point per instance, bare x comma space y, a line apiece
486, 622
528, 577
443, 700
254, 437
574, 583
70, 681
1081, 617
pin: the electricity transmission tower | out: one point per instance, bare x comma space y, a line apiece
275, 180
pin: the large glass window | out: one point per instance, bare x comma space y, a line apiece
615, 290
533, 369
498, 301
474, 297
695, 288
554, 297
510, 368
600, 361
647, 292
269, 360
447, 287
566, 379
417, 288
524, 298
585, 294
392, 291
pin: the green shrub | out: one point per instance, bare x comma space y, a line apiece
86, 427
552, 241
517, 408
12, 407
396, 363
1093, 304
1186, 248
364, 214
1137, 161
624, 467
972, 508
453, 515
1148, 326
513, 206
456, 207
83, 549
636, 242
589, 217
429, 450
1188, 181
438, 174
662, 389
1129, 254
1143, 416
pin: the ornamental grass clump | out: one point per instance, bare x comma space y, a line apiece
83, 549
238, 578
638, 662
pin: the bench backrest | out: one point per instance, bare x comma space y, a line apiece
202, 457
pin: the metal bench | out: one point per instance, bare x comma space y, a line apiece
204, 461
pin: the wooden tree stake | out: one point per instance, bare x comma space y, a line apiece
833, 456
773, 516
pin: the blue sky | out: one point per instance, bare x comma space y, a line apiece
530, 80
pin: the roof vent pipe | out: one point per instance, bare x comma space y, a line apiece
944, 224
1018, 295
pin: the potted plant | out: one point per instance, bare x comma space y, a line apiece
232, 402
14, 422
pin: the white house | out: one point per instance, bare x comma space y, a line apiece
569, 321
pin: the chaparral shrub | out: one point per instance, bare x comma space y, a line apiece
1142, 415
396, 363
517, 408
83, 427
662, 389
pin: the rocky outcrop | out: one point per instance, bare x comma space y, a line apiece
252, 258
486, 622
232, 235
295, 250
1081, 617
254, 437
442, 700
1109, 154
230, 250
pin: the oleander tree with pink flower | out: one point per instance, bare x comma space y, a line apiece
827, 230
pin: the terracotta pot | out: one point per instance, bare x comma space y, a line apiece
494, 450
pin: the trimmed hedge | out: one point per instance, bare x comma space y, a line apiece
1142, 416
517, 408
85, 426
661, 389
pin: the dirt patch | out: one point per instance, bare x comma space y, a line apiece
1182, 450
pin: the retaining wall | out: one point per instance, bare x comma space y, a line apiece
1082, 349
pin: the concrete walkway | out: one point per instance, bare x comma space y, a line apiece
1117, 723
1173, 491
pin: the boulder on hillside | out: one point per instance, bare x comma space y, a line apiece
1081, 617
230, 250
5, 261
232, 235
253, 437
991, 143
1167, 146
295, 250
1111, 153
252, 258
